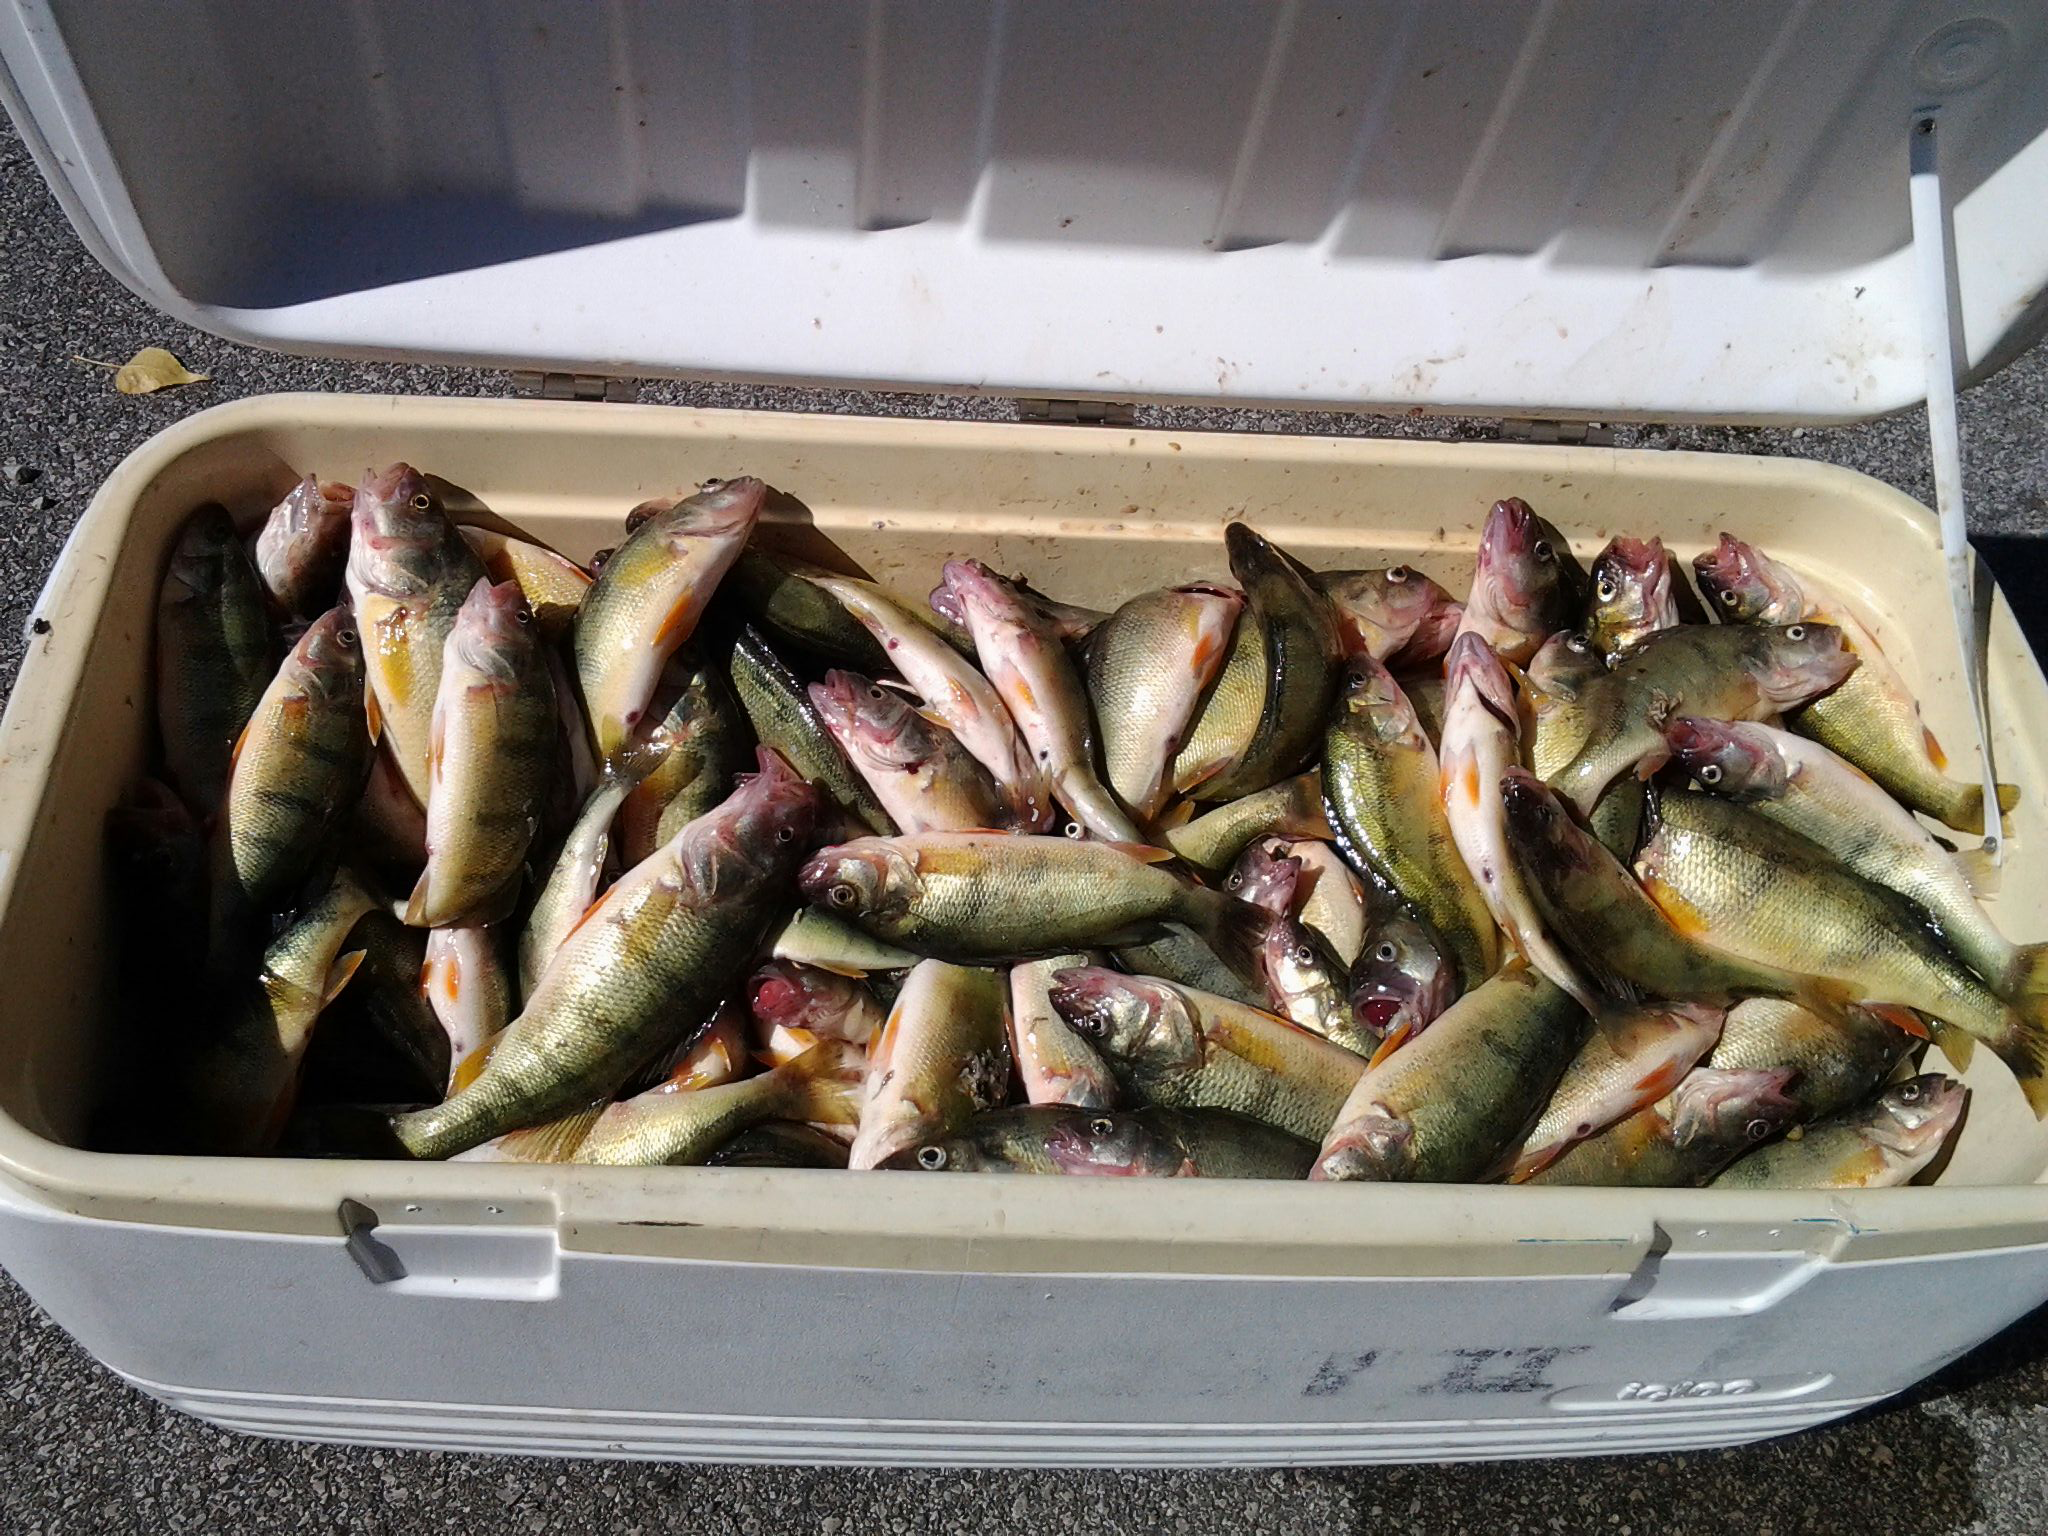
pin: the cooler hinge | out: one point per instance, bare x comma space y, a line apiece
1589, 434
1087, 413
573, 386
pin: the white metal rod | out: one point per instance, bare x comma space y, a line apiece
1934, 264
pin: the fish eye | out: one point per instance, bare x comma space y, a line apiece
1757, 1130
345, 636
1235, 882
422, 502
1101, 1125
1605, 590
1303, 954
1911, 1093
1710, 773
1386, 952
843, 895
1728, 597
1796, 632
931, 1159
1074, 830
1398, 574
785, 834
1543, 551
878, 693
1089, 1024
523, 614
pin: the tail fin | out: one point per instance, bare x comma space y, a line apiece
1236, 931
2026, 1049
1979, 870
1964, 810
824, 1084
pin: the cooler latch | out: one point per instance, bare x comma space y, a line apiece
1575, 434
1729, 1269
573, 386
1086, 413
489, 1252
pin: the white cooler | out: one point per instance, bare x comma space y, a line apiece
1572, 210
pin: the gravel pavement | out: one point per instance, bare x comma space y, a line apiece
81, 1452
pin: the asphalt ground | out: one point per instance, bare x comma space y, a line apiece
82, 1452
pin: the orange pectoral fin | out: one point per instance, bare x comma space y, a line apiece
1934, 753
373, 713
1903, 1019
235, 752
338, 975
1396, 1038
1683, 916
678, 624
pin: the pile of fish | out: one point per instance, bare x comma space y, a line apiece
711, 853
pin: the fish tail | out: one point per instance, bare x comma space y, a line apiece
2025, 1048
1962, 807
1980, 871
462, 1121
825, 1084
1236, 931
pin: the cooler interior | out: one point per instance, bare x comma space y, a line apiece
1089, 514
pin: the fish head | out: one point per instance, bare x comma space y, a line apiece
1297, 963
1564, 664
1746, 586
1914, 1117
951, 1154
870, 880
1801, 661
399, 532
1378, 1145
1370, 696
782, 994
305, 531
877, 720
985, 600
1472, 663
329, 656
1734, 1108
1376, 609
758, 831
1541, 831
1098, 1144
945, 602
1631, 588
1438, 621
206, 545
1402, 979
1736, 760
1527, 571
1129, 1018
1265, 878
493, 630
723, 509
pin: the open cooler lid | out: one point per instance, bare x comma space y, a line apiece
1580, 207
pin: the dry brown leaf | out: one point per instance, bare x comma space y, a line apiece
153, 369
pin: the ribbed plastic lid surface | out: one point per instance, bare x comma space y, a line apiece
1595, 207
